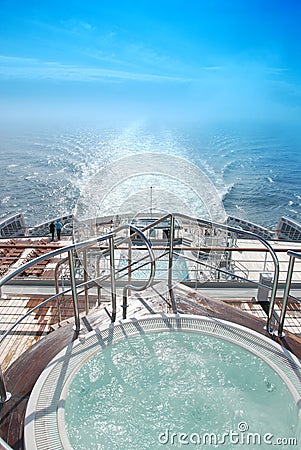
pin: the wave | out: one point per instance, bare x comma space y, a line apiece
54, 167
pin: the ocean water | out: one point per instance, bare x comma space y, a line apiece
255, 168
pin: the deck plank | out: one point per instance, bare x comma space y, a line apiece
35, 359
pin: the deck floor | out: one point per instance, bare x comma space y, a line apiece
32, 329
184, 300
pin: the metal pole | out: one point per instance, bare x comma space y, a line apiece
4, 395
98, 285
4, 445
126, 290
113, 278
85, 280
127, 287
265, 262
151, 202
285, 295
170, 253
98, 295
130, 262
57, 290
73, 290
124, 302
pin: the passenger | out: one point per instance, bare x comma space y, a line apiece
58, 227
52, 229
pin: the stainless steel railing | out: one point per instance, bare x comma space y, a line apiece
170, 252
292, 257
4, 445
134, 231
73, 290
150, 280
172, 218
4, 395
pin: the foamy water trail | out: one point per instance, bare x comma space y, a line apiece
256, 171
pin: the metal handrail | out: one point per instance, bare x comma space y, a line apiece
81, 246
4, 445
224, 271
4, 395
266, 244
54, 297
57, 288
293, 256
70, 249
228, 228
58, 251
151, 276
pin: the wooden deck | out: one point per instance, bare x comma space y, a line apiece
25, 353
33, 328
257, 259
16, 252
22, 374
292, 321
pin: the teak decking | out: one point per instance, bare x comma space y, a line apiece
22, 374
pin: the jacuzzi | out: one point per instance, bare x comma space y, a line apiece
167, 381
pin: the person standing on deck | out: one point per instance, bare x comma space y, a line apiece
52, 229
58, 227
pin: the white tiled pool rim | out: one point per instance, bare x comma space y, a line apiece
44, 422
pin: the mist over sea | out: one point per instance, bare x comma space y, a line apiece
256, 168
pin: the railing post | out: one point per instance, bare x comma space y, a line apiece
74, 291
113, 278
60, 299
98, 285
98, 276
126, 290
130, 261
124, 302
4, 395
285, 295
128, 287
85, 263
57, 290
170, 253
273, 294
265, 262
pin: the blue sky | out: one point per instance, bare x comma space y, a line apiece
185, 60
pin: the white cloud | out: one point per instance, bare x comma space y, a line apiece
29, 68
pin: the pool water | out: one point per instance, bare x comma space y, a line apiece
180, 269
145, 391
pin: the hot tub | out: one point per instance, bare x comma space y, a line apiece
166, 381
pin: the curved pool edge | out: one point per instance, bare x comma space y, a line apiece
44, 421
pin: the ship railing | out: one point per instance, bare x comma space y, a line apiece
228, 273
77, 288
228, 231
286, 295
241, 268
170, 252
4, 394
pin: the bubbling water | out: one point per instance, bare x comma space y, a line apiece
149, 390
